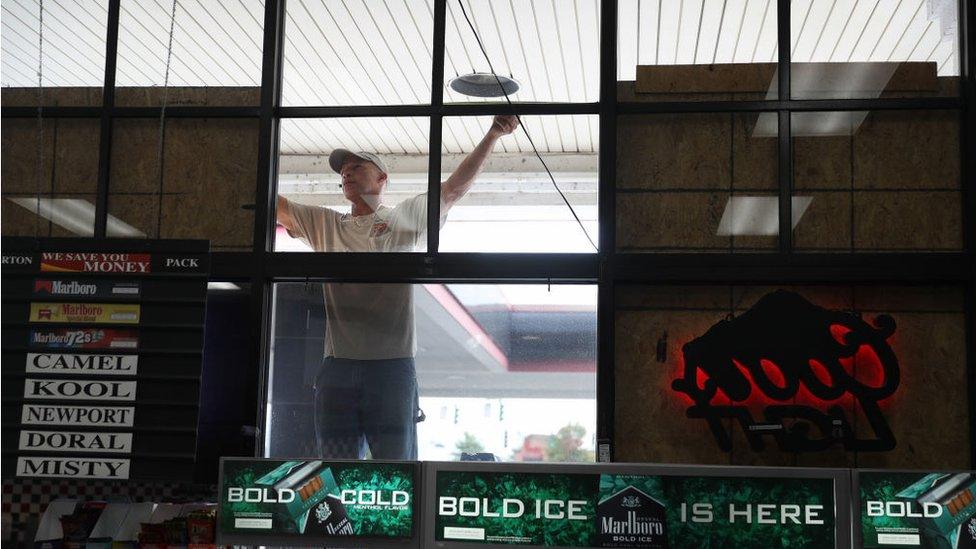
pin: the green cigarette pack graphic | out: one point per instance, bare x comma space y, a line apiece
929, 510
951, 494
311, 484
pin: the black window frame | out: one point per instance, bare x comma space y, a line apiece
262, 267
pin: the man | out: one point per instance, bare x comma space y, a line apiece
366, 391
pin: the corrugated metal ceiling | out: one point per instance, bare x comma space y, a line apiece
378, 52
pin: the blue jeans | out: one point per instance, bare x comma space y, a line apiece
360, 402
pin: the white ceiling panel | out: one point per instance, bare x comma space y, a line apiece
409, 135
74, 43
666, 32
751, 19
357, 52
379, 52
727, 40
381, 135
710, 30
551, 47
214, 43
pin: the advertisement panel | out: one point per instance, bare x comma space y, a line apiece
80, 262
917, 509
98, 313
626, 510
85, 288
84, 338
315, 501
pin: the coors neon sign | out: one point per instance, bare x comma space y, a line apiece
806, 367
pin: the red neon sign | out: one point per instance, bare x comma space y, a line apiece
801, 367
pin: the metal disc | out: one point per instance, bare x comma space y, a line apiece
484, 84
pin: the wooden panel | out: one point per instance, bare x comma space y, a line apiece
907, 150
915, 220
758, 77
689, 151
928, 414
209, 174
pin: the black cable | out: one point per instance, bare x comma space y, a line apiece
525, 131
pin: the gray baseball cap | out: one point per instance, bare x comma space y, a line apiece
339, 156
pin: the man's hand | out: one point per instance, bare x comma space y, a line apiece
463, 177
503, 124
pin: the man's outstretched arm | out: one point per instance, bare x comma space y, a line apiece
284, 215
463, 177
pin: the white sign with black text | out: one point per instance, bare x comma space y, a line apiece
75, 441
107, 416
79, 389
62, 363
76, 467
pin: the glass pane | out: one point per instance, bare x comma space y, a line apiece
821, 376
867, 49
696, 50
73, 52
877, 181
551, 49
508, 370
207, 188
380, 207
512, 205
216, 56
357, 52
697, 183
49, 178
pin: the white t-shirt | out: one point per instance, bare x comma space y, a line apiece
367, 321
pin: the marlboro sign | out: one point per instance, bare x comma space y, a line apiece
97, 313
84, 338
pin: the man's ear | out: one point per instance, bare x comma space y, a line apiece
383, 178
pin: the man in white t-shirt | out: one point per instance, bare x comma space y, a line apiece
366, 391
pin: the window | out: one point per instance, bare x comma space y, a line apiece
697, 182
399, 201
864, 186
507, 364
551, 49
71, 54
513, 205
696, 50
504, 369
864, 49
359, 52
207, 187
215, 60
49, 175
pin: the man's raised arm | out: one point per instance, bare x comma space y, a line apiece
283, 212
463, 177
